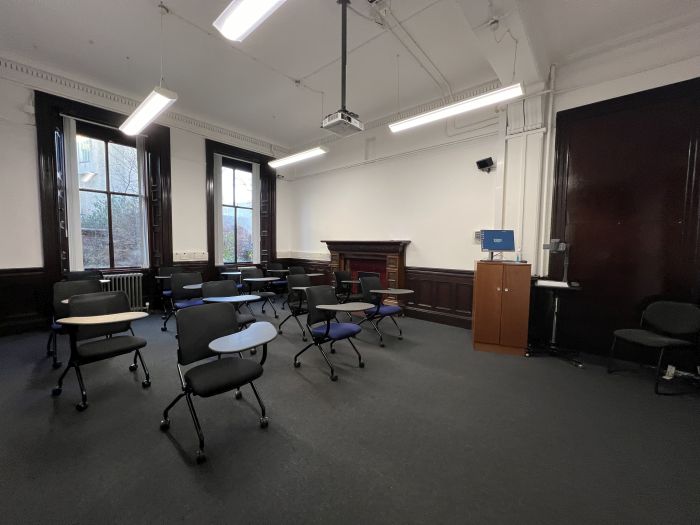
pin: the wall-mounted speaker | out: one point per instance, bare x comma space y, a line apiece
485, 164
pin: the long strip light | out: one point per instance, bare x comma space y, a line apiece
297, 157
156, 103
487, 99
242, 17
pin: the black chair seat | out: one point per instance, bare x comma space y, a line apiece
222, 375
647, 338
245, 318
264, 294
105, 348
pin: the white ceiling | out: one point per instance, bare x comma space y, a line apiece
249, 86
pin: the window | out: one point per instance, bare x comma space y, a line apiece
112, 201
237, 213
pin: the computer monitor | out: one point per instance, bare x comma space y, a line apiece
497, 241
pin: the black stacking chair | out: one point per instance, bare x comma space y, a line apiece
664, 325
329, 330
344, 290
226, 289
166, 289
182, 297
65, 290
368, 274
93, 343
261, 289
280, 285
380, 311
83, 275
196, 328
296, 300
296, 270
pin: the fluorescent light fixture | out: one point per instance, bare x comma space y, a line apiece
487, 99
158, 101
242, 17
297, 157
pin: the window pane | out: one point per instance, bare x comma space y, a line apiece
123, 169
229, 235
127, 231
94, 229
227, 186
244, 188
91, 163
245, 235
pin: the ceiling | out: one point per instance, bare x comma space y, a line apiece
250, 86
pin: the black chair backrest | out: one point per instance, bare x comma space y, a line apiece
67, 289
84, 275
296, 270
323, 294
275, 266
198, 326
100, 303
297, 280
219, 289
247, 273
371, 283
168, 271
367, 274
673, 318
179, 280
340, 276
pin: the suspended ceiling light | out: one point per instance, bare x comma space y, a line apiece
297, 157
156, 103
488, 99
242, 17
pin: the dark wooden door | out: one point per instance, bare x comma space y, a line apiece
488, 290
626, 199
515, 305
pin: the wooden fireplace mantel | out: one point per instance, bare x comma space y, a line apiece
392, 253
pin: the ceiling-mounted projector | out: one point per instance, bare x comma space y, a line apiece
343, 122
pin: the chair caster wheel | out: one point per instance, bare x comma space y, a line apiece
297, 364
332, 350
334, 377
238, 394
400, 338
133, 367
304, 339
163, 329
201, 457
279, 332
264, 422
362, 364
162, 317
382, 345
56, 391
165, 425
263, 311
146, 383
82, 406
57, 365
253, 351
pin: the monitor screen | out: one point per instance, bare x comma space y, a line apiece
497, 241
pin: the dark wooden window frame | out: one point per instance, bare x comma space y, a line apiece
268, 180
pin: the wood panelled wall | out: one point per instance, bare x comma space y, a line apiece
627, 194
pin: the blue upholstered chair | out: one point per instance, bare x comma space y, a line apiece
324, 327
181, 296
380, 311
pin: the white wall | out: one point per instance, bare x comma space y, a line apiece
189, 204
20, 217
422, 186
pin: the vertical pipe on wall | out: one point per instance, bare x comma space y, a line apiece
541, 263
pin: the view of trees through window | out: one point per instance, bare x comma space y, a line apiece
237, 200
111, 204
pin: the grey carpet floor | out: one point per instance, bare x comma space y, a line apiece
429, 432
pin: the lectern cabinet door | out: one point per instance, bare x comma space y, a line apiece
515, 305
487, 303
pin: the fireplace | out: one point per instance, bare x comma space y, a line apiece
387, 258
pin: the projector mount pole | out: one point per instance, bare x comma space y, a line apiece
344, 51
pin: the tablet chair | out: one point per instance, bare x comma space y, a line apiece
182, 297
664, 325
296, 270
166, 291
93, 343
296, 300
329, 330
226, 289
196, 328
380, 311
260, 288
65, 290
344, 290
